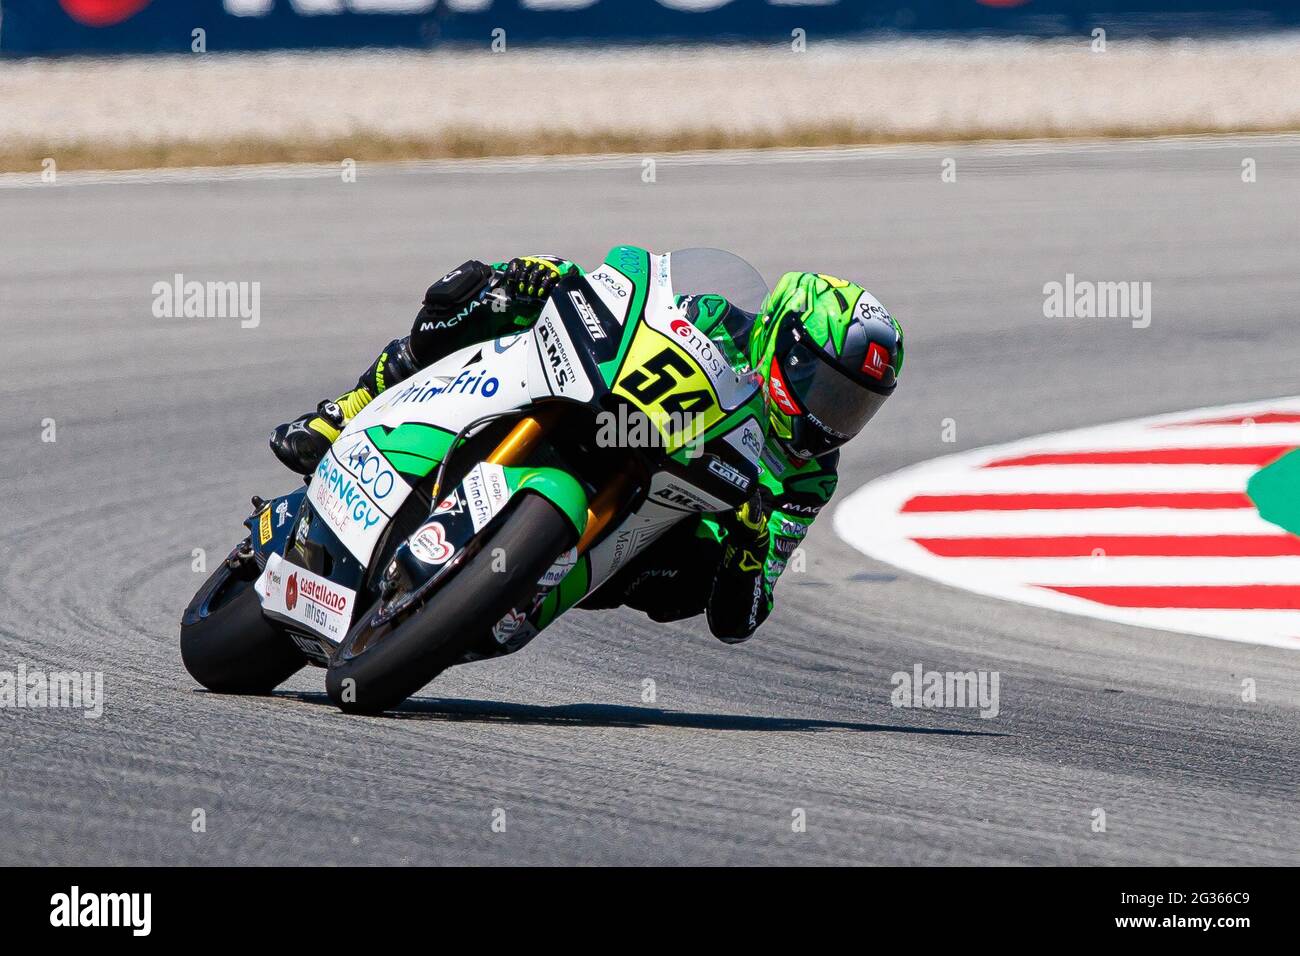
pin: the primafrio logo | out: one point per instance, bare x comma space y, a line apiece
465, 383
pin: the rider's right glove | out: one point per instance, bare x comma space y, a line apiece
531, 279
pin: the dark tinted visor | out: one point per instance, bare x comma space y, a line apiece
833, 401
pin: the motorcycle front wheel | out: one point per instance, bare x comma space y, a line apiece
378, 667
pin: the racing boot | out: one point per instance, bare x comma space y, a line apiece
301, 444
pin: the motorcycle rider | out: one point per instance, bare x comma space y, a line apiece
829, 354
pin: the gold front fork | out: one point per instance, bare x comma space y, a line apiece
602, 510
515, 447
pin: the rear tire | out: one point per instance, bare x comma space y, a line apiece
532, 535
228, 645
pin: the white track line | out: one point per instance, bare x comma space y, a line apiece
1142, 521
1125, 571
1093, 478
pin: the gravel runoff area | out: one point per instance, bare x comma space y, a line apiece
228, 108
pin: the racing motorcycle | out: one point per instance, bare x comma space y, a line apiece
467, 507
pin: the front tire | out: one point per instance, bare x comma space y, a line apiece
228, 645
385, 672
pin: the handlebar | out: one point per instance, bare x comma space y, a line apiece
493, 292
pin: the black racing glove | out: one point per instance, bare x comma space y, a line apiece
746, 530
531, 279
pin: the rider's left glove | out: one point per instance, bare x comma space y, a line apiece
747, 536
739, 600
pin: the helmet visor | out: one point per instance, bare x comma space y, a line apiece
830, 399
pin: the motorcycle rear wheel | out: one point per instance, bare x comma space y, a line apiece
228, 645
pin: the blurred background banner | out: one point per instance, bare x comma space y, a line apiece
51, 27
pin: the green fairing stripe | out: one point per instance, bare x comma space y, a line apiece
413, 448
557, 487
635, 264
567, 593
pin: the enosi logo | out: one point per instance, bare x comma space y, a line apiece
102, 13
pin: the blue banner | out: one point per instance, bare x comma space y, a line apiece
51, 27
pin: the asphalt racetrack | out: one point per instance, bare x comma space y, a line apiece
160, 440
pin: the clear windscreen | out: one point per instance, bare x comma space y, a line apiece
700, 271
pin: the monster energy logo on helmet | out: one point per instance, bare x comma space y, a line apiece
831, 354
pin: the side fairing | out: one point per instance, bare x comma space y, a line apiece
404, 433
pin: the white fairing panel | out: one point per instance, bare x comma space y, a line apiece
453, 392
614, 289
633, 536
558, 357
356, 491
307, 599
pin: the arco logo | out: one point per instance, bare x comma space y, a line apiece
102, 13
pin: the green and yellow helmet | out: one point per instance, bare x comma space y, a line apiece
830, 355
